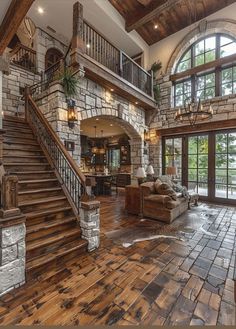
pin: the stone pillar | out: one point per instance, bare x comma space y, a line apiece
12, 236
137, 150
12, 253
90, 223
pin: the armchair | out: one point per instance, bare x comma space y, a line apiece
161, 207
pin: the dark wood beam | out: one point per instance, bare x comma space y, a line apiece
14, 16
204, 67
152, 11
202, 127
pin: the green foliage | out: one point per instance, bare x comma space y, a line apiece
69, 82
156, 92
156, 66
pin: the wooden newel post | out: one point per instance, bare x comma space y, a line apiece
78, 27
9, 196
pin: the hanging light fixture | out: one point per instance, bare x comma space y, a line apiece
193, 113
102, 149
95, 148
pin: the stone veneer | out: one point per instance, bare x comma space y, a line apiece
224, 106
11, 84
93, 100
12, 257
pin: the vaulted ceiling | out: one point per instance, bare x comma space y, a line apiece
155, 20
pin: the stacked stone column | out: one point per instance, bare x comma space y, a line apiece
90, 223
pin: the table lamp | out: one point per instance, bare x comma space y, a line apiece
141, 174
171, 171
150, 171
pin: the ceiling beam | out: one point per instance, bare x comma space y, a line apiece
14, 16
154, 10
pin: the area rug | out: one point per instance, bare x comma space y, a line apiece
199, 218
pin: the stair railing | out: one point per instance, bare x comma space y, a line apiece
73, 180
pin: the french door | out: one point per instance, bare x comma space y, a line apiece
205, 163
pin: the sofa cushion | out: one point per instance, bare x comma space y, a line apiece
157, 183
162, 199
165, 189
166, 179
149, 185
174, 203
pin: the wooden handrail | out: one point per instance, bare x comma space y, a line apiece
20, 46
58, 141
135, 63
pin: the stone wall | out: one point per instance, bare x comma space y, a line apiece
224, 106
12, 257
44, 41
11, 96
94, 101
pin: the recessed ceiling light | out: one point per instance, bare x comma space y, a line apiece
97, 119
40, 10
88, 45
112, 89
111, 125
136, 103
155, 26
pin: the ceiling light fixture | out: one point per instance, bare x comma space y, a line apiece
88, 45
112, 89
111, 125
155, 26
40, 10
136, 103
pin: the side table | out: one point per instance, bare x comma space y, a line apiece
132, 199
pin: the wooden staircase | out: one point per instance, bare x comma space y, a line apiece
52, 231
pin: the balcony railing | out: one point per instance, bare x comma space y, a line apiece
102, 51
24, 57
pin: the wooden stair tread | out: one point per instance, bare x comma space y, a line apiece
44, 259
32, 172
27, 156
47, 240
31, 181
46, 212
39, 190
42, 200
50, 224
19, 142
24, 164
13, 118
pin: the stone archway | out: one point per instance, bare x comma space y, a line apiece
131, 128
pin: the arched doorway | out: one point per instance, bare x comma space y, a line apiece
123, 143
52, 56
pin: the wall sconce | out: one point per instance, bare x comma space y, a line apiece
147, 136
71, 113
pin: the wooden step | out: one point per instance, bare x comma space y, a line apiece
43, 204
25, 158
66, 252
21, 145
42, 229
17, 139
15, 167
14, 127
38, 183
51, 243
40, 174
38, 194
42, 216
14, 134
13, 118
16, 152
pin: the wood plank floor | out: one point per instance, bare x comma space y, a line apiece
157, 282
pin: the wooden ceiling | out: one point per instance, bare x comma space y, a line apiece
155, 20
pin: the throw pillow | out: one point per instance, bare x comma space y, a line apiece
166, 179
157, 184
165, 189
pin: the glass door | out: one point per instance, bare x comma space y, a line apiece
198, 164
225, 166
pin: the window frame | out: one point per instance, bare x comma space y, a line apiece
217, 70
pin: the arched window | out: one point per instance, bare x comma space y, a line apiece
52, 56
203, 80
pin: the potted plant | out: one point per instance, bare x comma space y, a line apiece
156, 66
70, 83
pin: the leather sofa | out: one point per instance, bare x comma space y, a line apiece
161, 207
